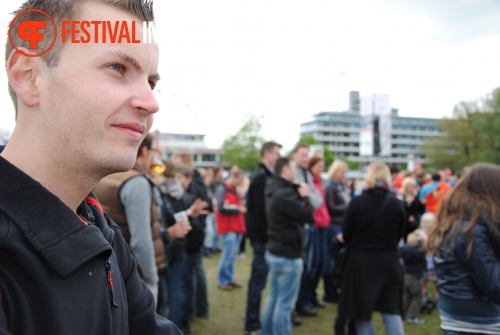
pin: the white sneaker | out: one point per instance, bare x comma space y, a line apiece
415, 320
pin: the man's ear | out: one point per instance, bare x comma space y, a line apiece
22, 71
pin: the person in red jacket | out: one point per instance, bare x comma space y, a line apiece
229, 215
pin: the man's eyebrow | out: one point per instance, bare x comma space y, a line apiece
132, 61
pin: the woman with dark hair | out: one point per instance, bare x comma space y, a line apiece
373, 277
466, 248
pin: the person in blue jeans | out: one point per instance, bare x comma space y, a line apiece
230, 226
287, 210
256, 225
195, 289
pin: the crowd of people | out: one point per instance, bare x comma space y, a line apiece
99, 236
397, 237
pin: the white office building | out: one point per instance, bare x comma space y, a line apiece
340, 132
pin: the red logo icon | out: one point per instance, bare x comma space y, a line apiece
33, 32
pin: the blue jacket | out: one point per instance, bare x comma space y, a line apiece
470, 286
414, 260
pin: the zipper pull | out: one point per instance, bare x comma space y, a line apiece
109, 274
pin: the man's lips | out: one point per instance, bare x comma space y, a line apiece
135, 130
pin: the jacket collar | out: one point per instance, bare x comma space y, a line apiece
277, 182
264, 169
50, 226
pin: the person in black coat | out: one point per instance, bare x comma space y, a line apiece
176, 200
287, 210
195, 278
408, 194
373, 276
256, 224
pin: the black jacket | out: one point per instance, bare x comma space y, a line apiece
196, 235
470, 285
414, 208
286, 213
372, 278
374, 220
255, 218
61, 274
335, 202
171, 206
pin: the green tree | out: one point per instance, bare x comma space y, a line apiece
353, 166
471, 135
488, 128
243, 148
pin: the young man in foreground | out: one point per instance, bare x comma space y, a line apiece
82, 110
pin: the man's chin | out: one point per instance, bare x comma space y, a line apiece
118, 165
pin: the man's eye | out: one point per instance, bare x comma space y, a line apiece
117, 67
152, 84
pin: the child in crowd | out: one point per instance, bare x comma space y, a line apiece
427, 224
413, 255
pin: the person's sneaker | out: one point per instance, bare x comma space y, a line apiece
318, 304
295, 320
415, 320
241, 255
253, 332
207, 253
235, 285
226, 287
307, 311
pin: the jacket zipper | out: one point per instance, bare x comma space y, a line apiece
111, 288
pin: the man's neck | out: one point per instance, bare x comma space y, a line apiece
70, 186
266, 164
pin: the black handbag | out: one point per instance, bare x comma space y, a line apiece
340, 262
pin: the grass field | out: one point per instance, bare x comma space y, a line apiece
227, 309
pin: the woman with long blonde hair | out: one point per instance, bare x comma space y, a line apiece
466, 248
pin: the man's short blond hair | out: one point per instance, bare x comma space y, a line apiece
61, 10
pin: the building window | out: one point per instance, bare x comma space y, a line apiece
208, 158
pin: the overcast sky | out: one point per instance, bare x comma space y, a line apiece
286, 60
